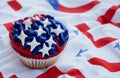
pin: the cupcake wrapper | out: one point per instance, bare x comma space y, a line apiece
38, 63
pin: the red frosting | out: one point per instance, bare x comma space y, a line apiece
17, 45
26, 51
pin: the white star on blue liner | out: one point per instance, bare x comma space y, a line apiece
22, 37
40, 31
46, 22
27, 23
33, 44
50, 41
57, 31
45, 50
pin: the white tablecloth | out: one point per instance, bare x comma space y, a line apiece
93, 49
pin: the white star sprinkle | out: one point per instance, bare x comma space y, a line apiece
46, 22
50, 41
40, 31
22, 37
57, 31
33, 44
45, 50
65, 76
27, 23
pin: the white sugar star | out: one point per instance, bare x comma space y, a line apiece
46, 22
27, 23
57, 31
65, 76
40, 31
22, 37
33, 44
50, 41
45, 50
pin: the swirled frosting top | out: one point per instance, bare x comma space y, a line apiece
41, 33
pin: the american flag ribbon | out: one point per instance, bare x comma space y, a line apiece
93, 50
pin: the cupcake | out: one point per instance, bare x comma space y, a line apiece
38, 40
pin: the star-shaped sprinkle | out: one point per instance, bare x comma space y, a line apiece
27, 23
57, 31
46, 22
50, 41
45, 50
33, 44
40, 31
22, 37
